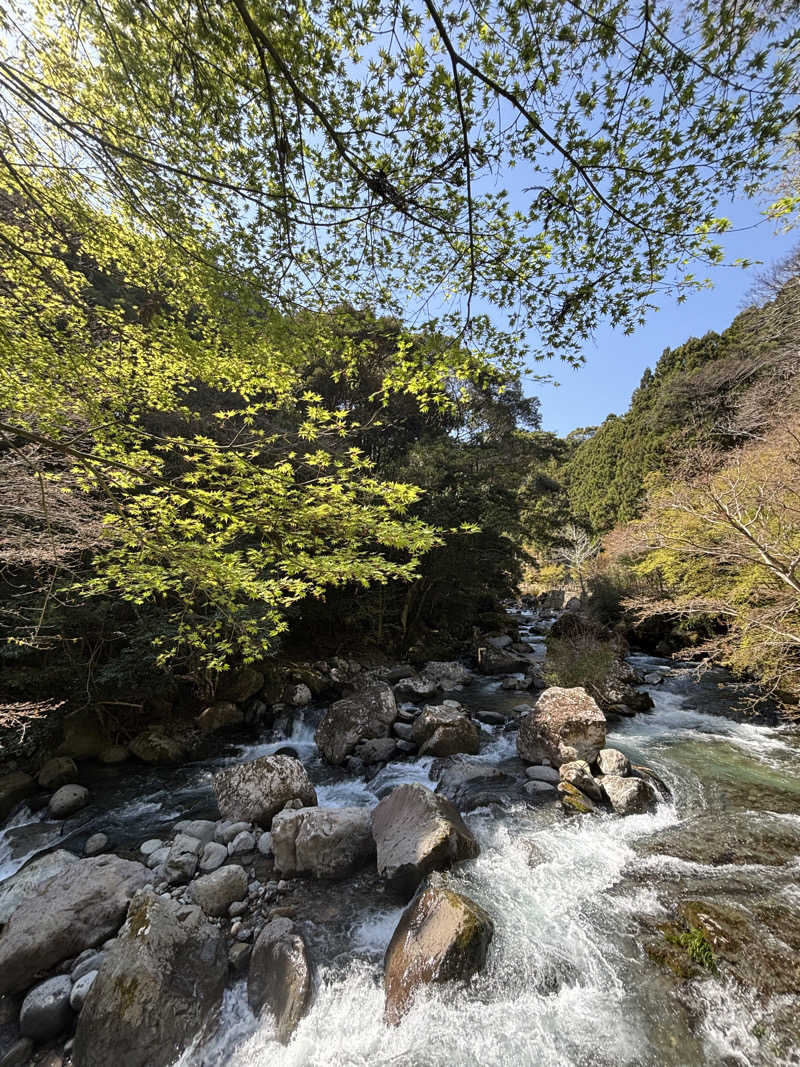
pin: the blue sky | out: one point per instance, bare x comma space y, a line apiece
614, 362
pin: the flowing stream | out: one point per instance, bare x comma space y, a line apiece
568, 979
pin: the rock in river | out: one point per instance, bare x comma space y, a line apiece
367, 714
79, 907
416, 832
45, 1011
257, 790
216, 892
628, 796
160, 984
324, 842
445, 730
441, 937
564, 725
279, 978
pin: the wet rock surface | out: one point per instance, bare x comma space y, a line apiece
279, 977
442, 936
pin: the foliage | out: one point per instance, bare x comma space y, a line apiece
367, 154
698, 947
726, 544
580, 660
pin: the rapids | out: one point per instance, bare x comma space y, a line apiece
568, 980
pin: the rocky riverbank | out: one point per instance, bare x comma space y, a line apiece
125, 954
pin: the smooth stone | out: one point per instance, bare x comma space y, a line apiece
147, 848
279, 978
265, 843
212, 857
159, 857
216, 892
45, 1011
87, 961
202, 829
226, 831
243, 842
96, 844
80, 990
543, 774
67, 800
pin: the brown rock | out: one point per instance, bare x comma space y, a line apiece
441, 937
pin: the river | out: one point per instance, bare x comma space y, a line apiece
575, 901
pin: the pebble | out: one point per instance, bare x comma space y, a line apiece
80, 990
265, 844
239, 907
86, 963
147, 848
96, 844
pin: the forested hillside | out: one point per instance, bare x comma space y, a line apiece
713, 393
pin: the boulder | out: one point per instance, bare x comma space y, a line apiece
26, 881
216, 892
417, 832
182, 859
279, 977
441, 937
378, 750
298, 695
498, 661
448, 673
84, 737
61, 770
577, 773
236, 686
415, 689
258, 790
574, 800
67, 800
473, 785
202, 829
219, 716
444, 730
14, 788
368, 714
564, 725
155, 746
628, 796
612, 761
160, 984
79, 907
323, 842
45, 1011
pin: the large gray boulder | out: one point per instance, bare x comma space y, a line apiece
324, 842
417, 832
441, 937
79, 907
279, 978
26, 881
447, 674
367, 714
564, 725
159, 985
256, 791
445, 730
499, 661
216, 892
